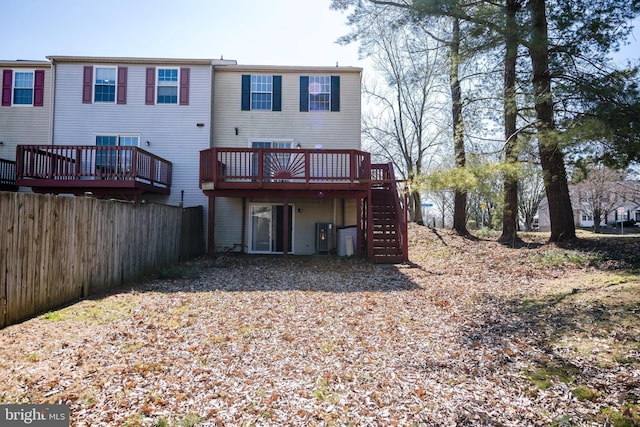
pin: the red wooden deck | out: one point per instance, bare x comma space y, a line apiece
103, 171
300, 173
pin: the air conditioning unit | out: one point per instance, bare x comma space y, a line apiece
325, 237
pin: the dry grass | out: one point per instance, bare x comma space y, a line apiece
469, 333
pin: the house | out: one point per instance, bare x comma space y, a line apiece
286, 172
274, 145
621, 202
25, 112
124, 127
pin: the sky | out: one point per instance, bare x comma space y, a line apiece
269, 32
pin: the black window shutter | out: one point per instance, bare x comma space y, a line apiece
246, 92
335, 93
277, 93
304, 93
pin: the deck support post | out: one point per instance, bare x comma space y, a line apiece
285, 227
369, 226
211, 225
360, 234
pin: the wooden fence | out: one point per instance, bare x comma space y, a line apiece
54, 250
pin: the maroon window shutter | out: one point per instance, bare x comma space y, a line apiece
150, 92
87, 85
184, 86
7, 83
38, 88
122, 85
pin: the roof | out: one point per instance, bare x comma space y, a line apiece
128, 60
287, 68
24, 63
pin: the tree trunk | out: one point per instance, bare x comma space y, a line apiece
510, 208
597, 218
460, 197
551, 156
416, 201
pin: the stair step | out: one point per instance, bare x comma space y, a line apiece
388, 259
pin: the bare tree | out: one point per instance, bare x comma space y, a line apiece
530, 195
404, 124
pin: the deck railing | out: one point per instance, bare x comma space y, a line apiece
59, 162
290, 166
7, 173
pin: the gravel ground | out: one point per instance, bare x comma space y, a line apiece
469, 332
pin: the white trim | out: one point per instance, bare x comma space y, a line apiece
13, 86
94, 84
118, 135
251, 92
177, 86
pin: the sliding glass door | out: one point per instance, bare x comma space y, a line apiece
267, 228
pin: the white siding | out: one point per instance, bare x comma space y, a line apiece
25, 124
170, 129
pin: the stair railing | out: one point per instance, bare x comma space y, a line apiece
384, 174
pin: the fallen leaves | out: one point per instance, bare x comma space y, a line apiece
453, 337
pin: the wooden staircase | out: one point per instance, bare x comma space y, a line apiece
388, 242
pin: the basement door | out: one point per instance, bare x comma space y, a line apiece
266, 228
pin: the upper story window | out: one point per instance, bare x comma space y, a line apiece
23, 88
105, 84
20, 87
319, 93
167, 86
261, 92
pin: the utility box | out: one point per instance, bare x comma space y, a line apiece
347, 240
325, 237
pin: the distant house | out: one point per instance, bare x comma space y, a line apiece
625, 207
25, 112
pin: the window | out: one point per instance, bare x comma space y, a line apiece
105, 84
167, 86
111, 160
99, 84
319, 93
23, 88
261, 92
